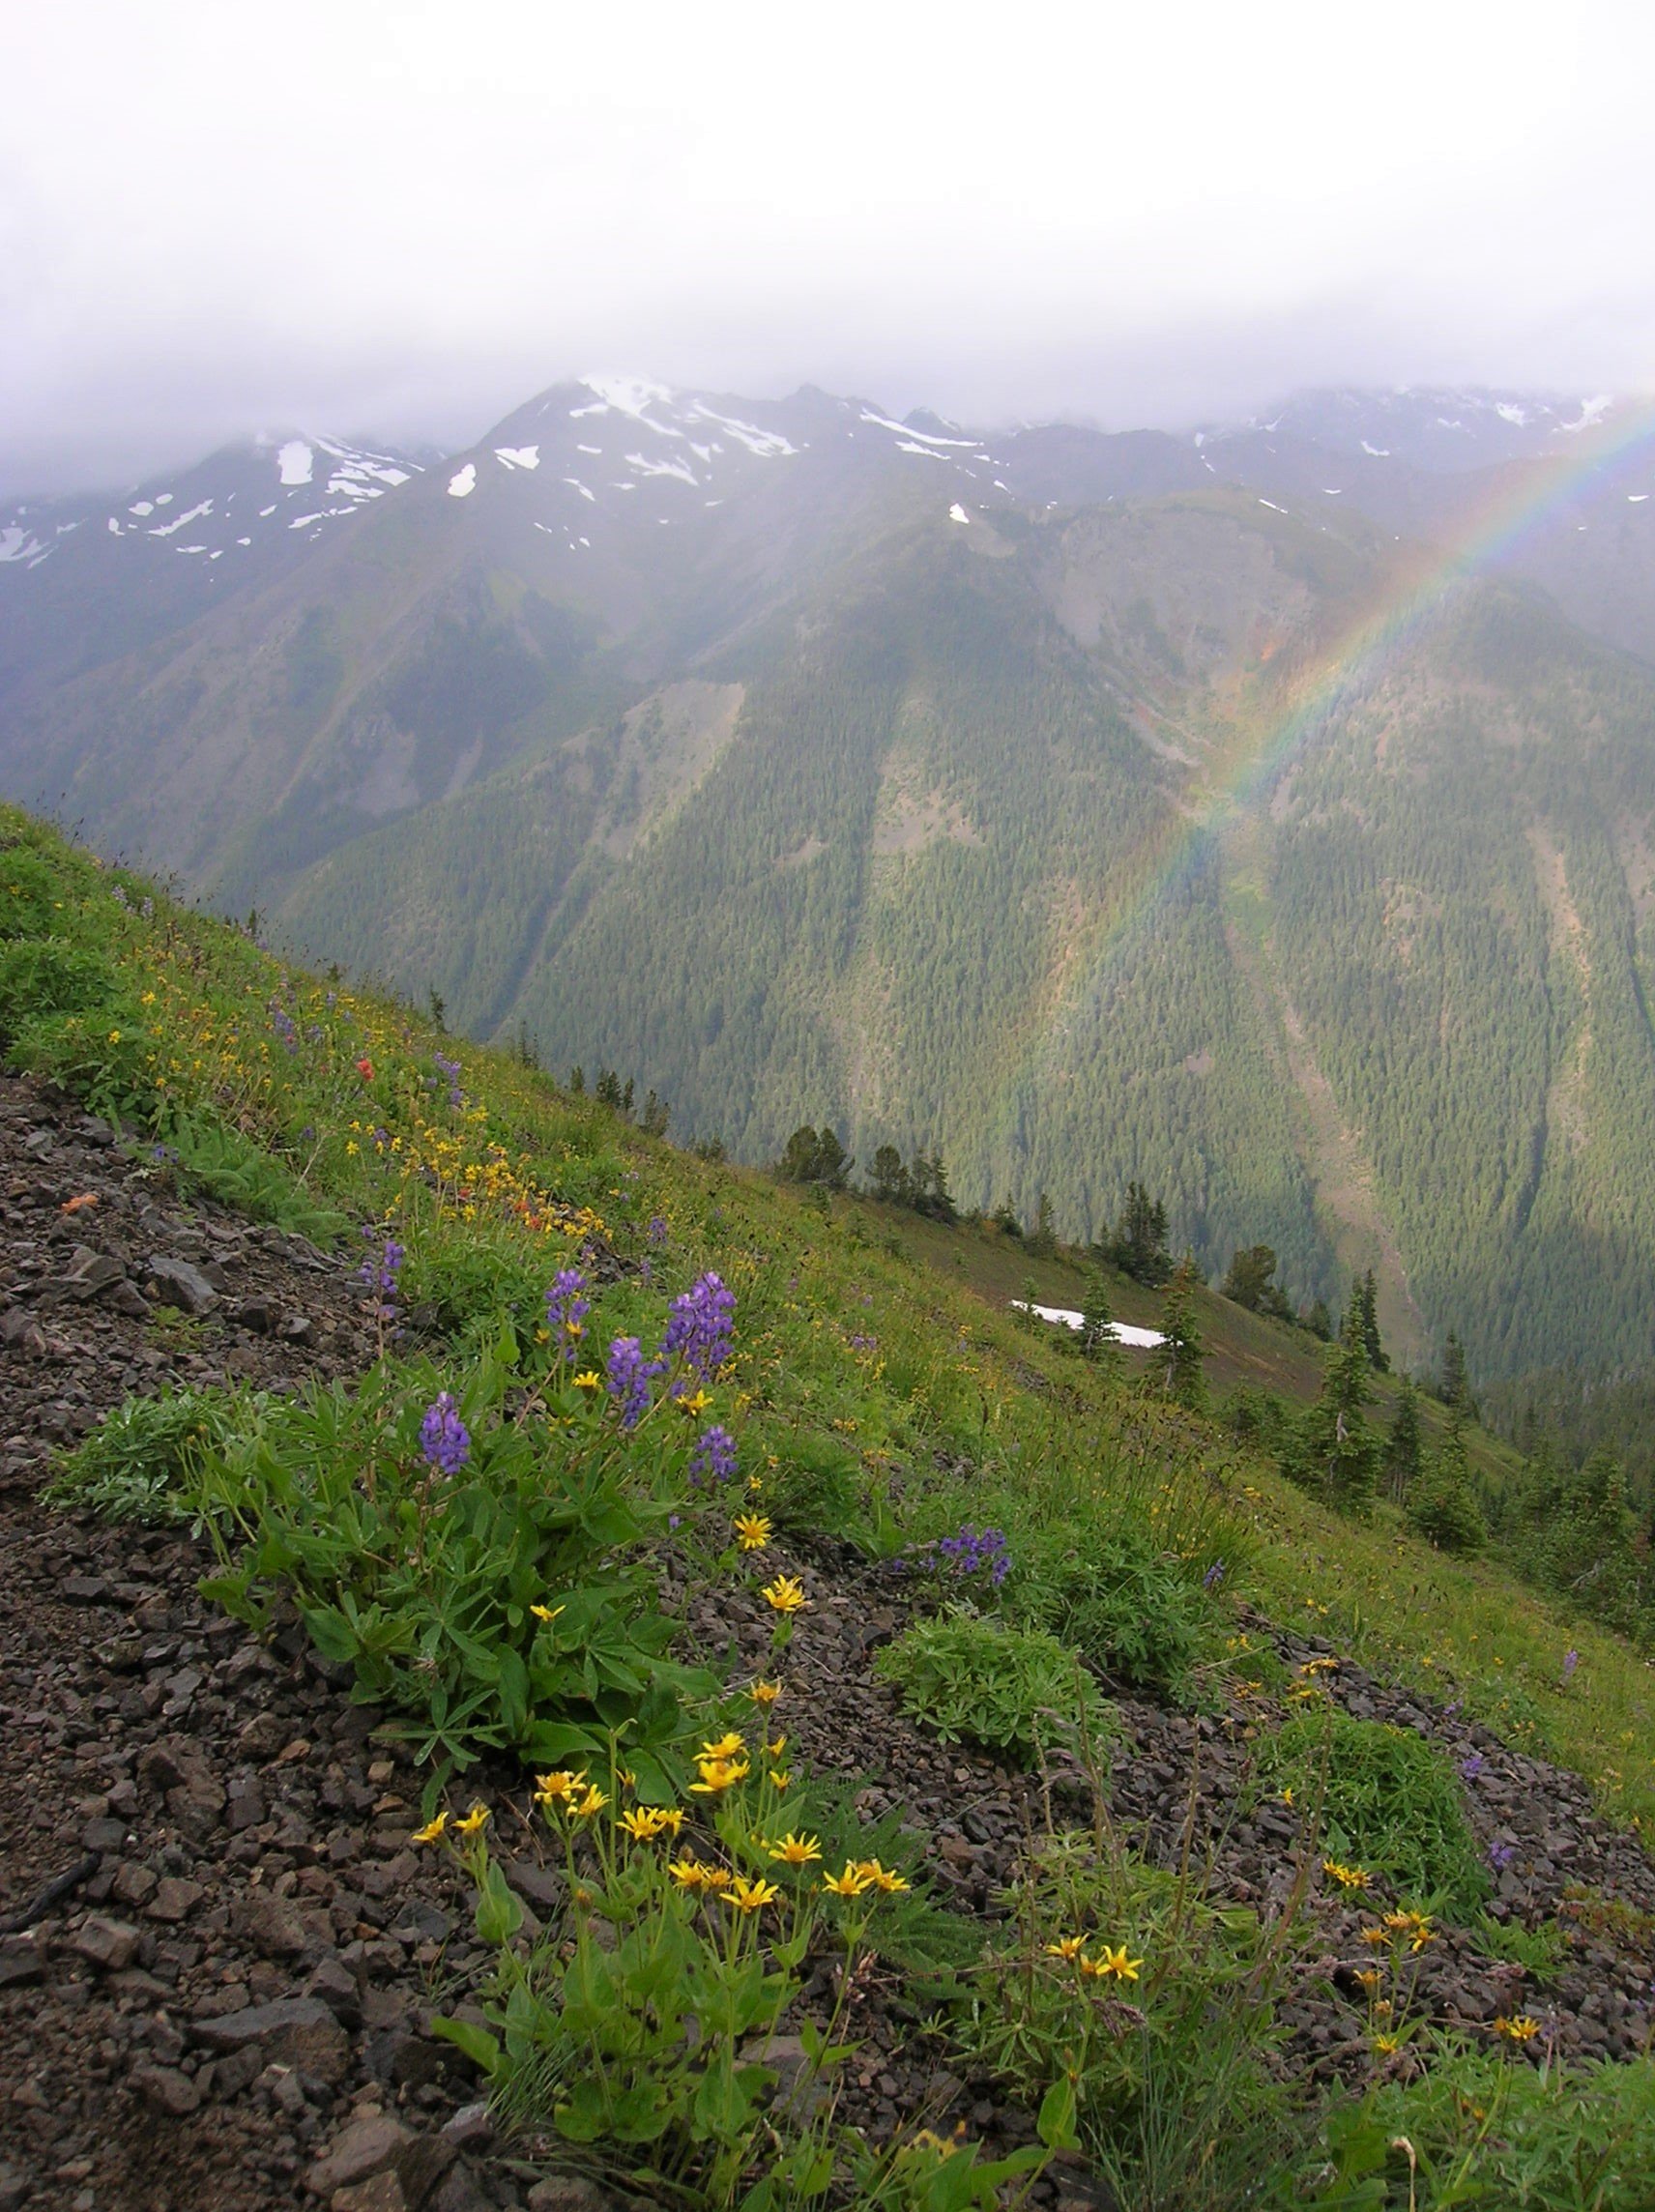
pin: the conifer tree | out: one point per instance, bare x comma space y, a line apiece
1455, 1389
1335, 1452
1179, 1360
1139, 1245
1402, 1446
1367, 1302
891, 1182
1443, 1507
1097, 1338
1042, 1238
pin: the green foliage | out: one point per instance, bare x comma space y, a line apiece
1480, 2134
1177, 1365
1442, 1503
1137, 1245
1135, 1613
425, 1584
219, 1161
1251, 1282
1541, 1952
816, 1156
140, 1462
1402, 1454
1575, 1537
32, 901
816, 1486
984, 1682
43, 976
1335, 1453
1389, 1800
1156, 2004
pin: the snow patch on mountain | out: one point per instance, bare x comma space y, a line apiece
463, 483
518, 456
295, 462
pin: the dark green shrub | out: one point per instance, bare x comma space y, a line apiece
1389, 1800
1132, 1611
44, 975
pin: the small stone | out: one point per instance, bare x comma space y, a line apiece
470, 2127
383, 2194
181, 1285
294, 2031
367, 2146
175, 1898
272, 1925
567, 2193
107, 1944
164, 2089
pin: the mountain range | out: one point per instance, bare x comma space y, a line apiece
1236, 810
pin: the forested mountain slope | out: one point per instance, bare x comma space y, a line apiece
961, 793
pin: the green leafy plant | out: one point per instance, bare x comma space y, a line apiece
1388, 1798
141, 1461
496, 1596
985, 1681
45, 976
1136, 1612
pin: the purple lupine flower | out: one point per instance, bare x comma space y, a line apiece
567, 1304
1472, 1766
1570, 1660
629, 1375
699, 1326
281, 1021
443, 1436
863, 1343
657, 1230
1500, 1856
971, 1554
713, 1459
380, 1270
1213, 1576
450, 1070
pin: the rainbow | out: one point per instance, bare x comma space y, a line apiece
1517, 502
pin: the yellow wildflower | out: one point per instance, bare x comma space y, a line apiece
786, 1594
1347, 1877
547, 1613
765, 1694
1386, 2045
554, 1789
775, 1749
752, 1531
432, 1831
688, 1872
589, 1380
1066, 1947
1112, 1963
797, 1851
729, 1745
1522, 2029
751, 1896
882, 1877
851, 1884
1375, 1936
718, 1775
474, 1822
780, 1777
590, 1803
695, 1405
647, 1822
1370, 1978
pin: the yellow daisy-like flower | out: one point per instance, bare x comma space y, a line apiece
774, 1750
786, 1594
432, 1831
780, 1777
1522, 2029
796, 1850
590, 1379
547, 1613
474, 1822
752, 1531
1286, 1794
1113, 1963
590, 1803
1066, 1947
1347, 1877
882, 1877
718, 1775
647, 1822
1370, 1978
694, 1406
688, 1872
729, 1745
851, 1884
1375, 1936
1386, 2045
751, 1896
555, 1788
765, 1694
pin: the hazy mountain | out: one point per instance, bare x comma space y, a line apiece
812, 764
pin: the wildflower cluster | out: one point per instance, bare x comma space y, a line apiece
380, 1273
980, 1556
700, 1329
444, 1437
1109, 1963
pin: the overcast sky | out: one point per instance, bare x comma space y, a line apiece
217, 215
